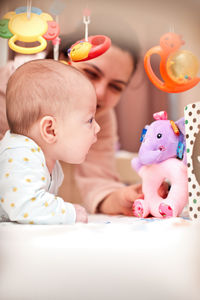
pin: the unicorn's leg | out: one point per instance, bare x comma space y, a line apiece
140, 208
165, 209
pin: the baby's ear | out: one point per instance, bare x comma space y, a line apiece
181, 125
48, 129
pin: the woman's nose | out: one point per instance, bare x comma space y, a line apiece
100, 89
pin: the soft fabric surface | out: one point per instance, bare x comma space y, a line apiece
111, 257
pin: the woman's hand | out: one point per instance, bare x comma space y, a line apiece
120, 202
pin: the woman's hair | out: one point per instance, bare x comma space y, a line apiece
120, 33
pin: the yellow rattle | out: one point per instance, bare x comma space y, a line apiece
38, 27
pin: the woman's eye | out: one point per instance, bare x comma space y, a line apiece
116, 88
91, 74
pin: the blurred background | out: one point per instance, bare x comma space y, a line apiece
149, 19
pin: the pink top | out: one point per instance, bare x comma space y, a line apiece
5, 73
97, 176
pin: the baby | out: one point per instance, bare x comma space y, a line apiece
50, 109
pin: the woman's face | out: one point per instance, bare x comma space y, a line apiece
109, 74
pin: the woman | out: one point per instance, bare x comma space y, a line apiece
110, 73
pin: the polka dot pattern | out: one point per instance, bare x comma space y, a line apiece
192, 128
27, 191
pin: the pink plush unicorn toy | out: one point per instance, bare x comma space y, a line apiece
162, 157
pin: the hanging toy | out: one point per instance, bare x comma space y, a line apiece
91, 46
56, 9
28, 24
178, 68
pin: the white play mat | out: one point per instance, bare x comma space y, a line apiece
110, 258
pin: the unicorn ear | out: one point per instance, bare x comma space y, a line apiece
181, 125
144, 131
161, 115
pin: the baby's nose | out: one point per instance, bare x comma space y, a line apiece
97, 127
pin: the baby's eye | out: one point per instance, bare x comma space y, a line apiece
91, 120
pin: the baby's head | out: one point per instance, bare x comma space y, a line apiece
54, 104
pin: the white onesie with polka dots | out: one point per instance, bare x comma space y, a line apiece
27, 190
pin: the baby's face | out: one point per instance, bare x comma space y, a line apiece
78, 129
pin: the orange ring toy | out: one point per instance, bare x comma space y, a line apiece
178, 68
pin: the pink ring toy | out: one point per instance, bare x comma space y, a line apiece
152, 177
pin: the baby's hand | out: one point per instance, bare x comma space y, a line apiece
81, 214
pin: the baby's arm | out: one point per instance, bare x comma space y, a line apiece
24, 190
37, 207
